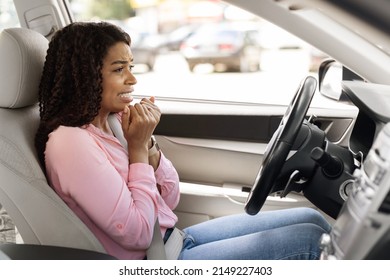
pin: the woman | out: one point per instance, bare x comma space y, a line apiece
119, 191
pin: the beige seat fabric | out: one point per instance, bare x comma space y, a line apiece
39, 214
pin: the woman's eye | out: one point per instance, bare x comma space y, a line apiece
121, 69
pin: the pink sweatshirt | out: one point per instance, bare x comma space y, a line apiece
117, 201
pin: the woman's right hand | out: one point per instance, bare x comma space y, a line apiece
138, 124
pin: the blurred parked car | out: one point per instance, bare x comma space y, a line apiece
173, 40
145, 48
235, 46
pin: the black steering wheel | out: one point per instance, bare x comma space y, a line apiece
280, 145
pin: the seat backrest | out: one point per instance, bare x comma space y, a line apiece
39, 214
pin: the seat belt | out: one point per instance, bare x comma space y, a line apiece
156, 250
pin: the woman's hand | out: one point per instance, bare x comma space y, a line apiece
138, 124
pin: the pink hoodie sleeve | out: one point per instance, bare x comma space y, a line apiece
167, 177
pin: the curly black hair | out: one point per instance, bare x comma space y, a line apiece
71, 84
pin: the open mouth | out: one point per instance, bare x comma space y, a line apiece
126, 97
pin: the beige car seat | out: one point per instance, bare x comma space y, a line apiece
40, 216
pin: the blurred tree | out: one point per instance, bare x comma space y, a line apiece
104, 9
108, 9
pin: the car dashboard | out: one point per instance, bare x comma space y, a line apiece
362, 228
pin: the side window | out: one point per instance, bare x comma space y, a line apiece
8, 15
171, 52
254, 38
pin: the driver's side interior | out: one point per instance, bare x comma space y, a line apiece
41, 217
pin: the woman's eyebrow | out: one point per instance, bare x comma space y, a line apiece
121, 61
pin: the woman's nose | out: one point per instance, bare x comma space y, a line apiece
130, 79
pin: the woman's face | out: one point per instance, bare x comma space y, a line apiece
118, 80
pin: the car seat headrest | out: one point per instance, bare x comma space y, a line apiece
22, 55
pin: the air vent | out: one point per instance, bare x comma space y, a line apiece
385, 206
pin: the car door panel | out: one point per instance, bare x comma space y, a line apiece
218, 151
252, 128
213, 162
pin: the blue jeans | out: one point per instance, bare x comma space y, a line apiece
272, 235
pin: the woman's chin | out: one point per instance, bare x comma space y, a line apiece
124, 105
118, 109
126, 99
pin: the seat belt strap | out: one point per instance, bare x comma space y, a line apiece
116, 128
156, 250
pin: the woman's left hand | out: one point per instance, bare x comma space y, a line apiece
138, 124
151, 107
